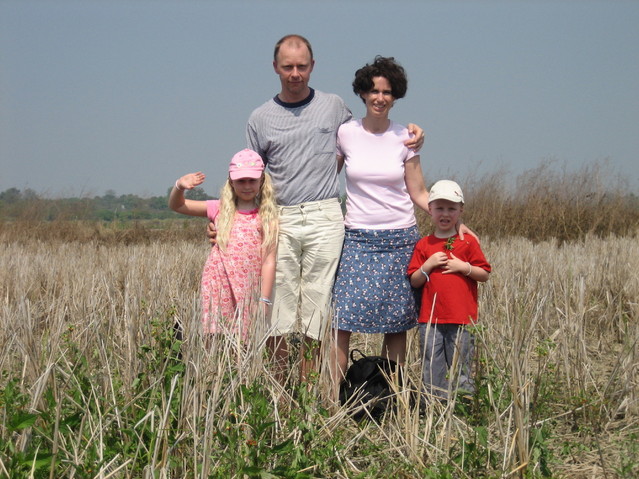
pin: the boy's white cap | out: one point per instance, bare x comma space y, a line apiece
446, 190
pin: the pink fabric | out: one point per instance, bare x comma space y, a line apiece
230, 279
376, 194
212, 209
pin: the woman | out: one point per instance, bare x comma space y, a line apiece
372, 293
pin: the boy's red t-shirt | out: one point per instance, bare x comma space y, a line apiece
448, 298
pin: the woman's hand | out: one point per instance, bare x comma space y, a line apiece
462, 230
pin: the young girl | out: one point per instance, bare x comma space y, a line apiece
246, 221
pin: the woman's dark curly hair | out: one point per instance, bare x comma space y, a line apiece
385, 67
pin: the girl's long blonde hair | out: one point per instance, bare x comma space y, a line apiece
267, 209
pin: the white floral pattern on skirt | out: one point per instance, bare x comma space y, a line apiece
372, 293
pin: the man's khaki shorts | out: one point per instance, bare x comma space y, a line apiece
309, 248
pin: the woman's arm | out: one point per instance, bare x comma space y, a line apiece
178, 203
414, 179
340, 163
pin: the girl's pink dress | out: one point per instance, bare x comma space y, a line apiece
230, 280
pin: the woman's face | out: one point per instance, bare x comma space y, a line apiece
380, 99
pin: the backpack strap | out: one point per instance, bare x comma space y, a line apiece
353, 351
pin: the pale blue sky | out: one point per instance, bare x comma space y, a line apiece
129, 95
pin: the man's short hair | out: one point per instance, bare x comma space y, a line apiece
295, 40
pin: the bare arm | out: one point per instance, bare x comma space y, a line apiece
340, 163
178, 203
268, 273
414, 179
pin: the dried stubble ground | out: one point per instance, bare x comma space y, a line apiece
558, 358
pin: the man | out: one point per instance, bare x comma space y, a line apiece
295, 133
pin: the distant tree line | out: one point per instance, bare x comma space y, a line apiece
546, 201
27, 204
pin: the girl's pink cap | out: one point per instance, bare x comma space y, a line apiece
246, 164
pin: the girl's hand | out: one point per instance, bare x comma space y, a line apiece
455, 265
437, 260
190, 181
266, 309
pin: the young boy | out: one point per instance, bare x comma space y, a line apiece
448, 269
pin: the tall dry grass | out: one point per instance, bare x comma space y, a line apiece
93, 383
86, 341
549, 201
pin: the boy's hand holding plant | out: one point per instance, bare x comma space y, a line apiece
437, 260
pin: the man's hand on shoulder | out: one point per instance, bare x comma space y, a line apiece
416, 141
211, 233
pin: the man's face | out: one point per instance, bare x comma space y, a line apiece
294, 67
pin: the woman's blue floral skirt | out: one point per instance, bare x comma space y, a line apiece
372, 293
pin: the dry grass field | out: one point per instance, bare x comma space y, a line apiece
92, 385
94, 382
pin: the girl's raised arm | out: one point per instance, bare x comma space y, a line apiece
178, 203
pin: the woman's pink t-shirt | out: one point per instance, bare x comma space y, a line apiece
376, 194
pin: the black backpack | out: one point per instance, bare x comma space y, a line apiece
366, 382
